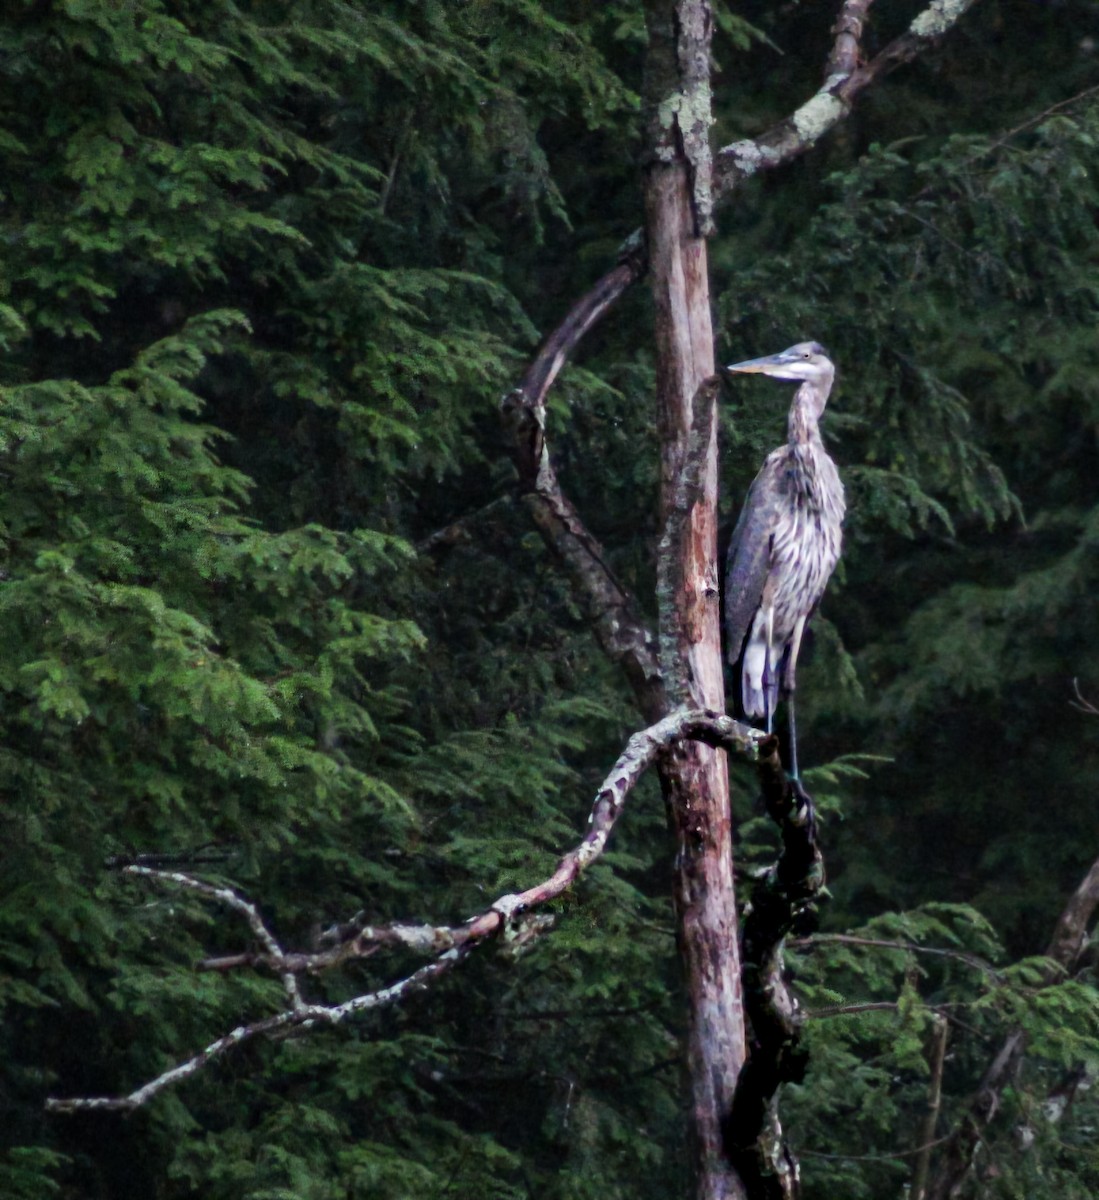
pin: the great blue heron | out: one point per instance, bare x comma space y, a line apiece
786, 542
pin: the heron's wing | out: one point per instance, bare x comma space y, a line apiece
749, 558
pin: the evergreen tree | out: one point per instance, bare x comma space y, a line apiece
266, 271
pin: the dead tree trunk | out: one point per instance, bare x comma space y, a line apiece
695, 778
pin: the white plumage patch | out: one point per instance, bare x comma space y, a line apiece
753, 693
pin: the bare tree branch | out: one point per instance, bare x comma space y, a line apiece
846, 49
832, 103
937, 1057
448, 944
616, 618
530, 395
225, 895
303, 1017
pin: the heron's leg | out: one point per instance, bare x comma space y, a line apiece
790, 685
792, 723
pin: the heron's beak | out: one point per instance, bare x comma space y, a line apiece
759, 366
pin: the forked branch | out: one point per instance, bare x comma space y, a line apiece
844, 82
447, 945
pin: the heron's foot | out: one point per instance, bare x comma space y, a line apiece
804, 810
799, 791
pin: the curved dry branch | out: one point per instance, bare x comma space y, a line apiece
447, 944
524, 407
615, 615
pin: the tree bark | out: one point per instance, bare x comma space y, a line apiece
754, 1139
695, 779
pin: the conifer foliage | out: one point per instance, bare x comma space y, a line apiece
275, 617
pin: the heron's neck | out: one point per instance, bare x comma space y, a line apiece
805, 412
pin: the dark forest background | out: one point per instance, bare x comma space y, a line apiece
267, 269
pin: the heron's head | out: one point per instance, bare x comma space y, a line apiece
807, 362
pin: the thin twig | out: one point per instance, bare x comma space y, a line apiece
879, 1158
937, 1056
1080, 703
845, 1010
237, 903
458, 530
399, 144
847, 939
1004, 138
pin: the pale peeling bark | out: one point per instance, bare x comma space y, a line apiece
695, 779
508, 917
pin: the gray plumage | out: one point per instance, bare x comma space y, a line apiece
787, 540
